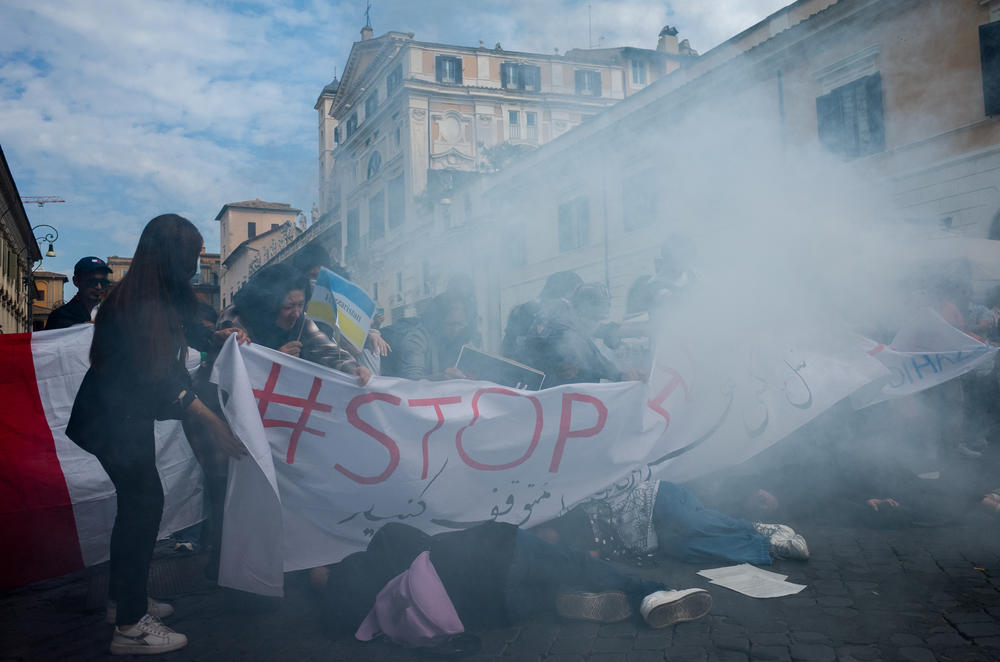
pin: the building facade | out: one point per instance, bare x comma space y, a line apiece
898, 93
119, 267
251, 233
411, 123
18, 252
208, 279
48, 296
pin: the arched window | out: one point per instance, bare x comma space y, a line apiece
374, 164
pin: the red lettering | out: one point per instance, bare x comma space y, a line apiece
564, 423
267, 395
436, 403
380, 437
656, 404
475, 416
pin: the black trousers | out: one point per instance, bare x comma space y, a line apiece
129, 457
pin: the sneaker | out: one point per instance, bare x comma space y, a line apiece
769, 530
665, 608
147, 637
789, 547
603, 607
153, 608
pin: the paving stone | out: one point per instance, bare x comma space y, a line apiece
686, 654
968, 617
858, 653
650, 642
989, 642
606, 657
741, 644
643, 656
834, 601
979, 630
728, 656
906, 639
945, 640
914, 654
769, 639
612, 644
626, 627
780, 653
578, 645
810, 637
829, 587
728, 630
813, 652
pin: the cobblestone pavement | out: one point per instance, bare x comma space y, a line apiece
872, 594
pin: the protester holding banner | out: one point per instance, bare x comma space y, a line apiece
137, 376
270, 309
422, 590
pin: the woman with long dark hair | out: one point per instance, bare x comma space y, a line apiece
137, 376
270, 309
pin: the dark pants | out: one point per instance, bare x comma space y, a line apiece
690, 532
540, 571
129, 458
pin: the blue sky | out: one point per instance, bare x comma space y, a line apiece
131, 108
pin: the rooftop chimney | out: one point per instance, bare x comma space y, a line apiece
366, 33
667, 42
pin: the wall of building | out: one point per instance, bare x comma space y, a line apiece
49, 296
235, 223
249, 256
940, 157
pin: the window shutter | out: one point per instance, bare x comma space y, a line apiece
505, 72
597, 83
438, 69
876, 121
830, 121
580, 80
989, 55
458, 71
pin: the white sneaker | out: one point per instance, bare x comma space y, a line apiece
147, 637
665, 608
771, 529
789, 547
153, 608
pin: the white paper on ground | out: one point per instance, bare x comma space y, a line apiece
752, 581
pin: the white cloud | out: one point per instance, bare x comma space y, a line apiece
130, 109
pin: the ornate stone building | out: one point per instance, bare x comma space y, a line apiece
18, 252
410, 123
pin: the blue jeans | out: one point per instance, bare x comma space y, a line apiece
540, 571
690, 532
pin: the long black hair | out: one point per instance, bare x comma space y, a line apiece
142, 320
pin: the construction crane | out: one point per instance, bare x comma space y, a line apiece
40, 200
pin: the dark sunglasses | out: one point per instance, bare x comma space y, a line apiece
97, 282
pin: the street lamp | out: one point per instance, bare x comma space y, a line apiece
47, 237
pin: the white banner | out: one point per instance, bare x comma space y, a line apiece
332, 462
926, 352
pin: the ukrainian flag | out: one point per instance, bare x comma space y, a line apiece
343, 304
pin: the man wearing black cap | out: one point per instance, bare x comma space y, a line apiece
90, 275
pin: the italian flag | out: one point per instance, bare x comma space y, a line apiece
57, 505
